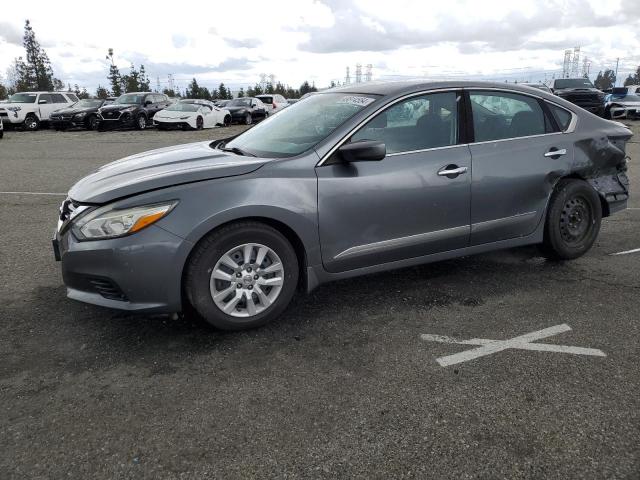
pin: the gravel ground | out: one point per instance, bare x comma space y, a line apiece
342, 386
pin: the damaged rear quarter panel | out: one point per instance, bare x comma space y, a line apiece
600, 159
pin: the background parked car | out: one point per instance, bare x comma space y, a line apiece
581, 92
221, 103
83, 113
246, 110
622, 104
134, 109
29, 109
539, 86
192, 114
273, 103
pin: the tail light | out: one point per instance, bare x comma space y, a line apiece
274, 105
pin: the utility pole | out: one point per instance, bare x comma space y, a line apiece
347, 78
615, 81
358, 73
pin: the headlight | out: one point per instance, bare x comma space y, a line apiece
14, 109
129, 109
108, 222
183, 118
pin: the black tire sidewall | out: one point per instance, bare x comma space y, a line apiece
248, 119
199, 123
138, 126
554, 244
28, 119
211, 249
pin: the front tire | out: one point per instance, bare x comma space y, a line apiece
573, 220
31, 122
141, 122
241, 276
199, 123
226, 121
92, 123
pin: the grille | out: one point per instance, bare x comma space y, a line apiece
110, 115
108, 289
4, 114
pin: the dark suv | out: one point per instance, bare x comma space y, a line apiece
134, 109
581, 92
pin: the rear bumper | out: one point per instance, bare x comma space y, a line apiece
141, 272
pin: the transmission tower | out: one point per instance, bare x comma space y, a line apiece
368, 75
358, 73
157, 84
586, 66
575, 65
566, 66
172, 85
347, 78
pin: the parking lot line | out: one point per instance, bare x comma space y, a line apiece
34, 193
635, 250
521, 342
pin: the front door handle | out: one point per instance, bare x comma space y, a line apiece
451, 171
555, 153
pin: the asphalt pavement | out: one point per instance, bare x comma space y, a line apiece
348, 384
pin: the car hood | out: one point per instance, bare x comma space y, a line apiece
120, 106
236, 109
21, 105
573, 90
161, 168
67, 111
174, 114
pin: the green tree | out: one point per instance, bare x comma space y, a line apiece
605, 80
114, 77
306, 88
3, 92
241, 93
102, 92
633, 79
224, 93
35, 71
169, 93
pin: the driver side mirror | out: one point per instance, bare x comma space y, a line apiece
363, 151
147, 103
42, 102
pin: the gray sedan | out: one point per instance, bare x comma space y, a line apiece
354, 180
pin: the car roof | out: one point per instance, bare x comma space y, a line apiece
410, 86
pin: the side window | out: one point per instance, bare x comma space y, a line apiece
58, 98
563, 117
45, 96
500, 115
427, 121
72, 97
206, 109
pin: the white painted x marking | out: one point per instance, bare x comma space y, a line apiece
522, 342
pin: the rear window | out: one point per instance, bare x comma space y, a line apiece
562, 116
266, 99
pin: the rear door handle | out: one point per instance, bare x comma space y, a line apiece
554, 152
452, 171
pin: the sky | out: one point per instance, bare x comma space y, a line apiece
316, 40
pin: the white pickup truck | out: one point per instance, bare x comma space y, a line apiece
28, 109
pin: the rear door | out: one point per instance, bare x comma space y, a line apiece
403, 206
517, 148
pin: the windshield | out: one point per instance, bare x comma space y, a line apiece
183, 107
573, 83
23, 98
88, 103
301, 126
266, 99
239, 102
130, 99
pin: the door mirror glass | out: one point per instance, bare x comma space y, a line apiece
42, 102
147, 103
363, 151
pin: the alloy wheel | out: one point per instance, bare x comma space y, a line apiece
247, 280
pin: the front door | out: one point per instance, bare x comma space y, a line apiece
515, 153
414, 202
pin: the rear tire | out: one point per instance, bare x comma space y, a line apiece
248, 119
573, 220
92, 123
268, 297
226, 121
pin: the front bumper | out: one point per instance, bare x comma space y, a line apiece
124, 119
170, 124
140, 272
58, 122
8, 118
624, 112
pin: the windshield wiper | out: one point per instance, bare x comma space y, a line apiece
237, 151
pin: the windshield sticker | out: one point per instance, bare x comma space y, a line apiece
356, 100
